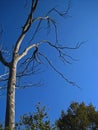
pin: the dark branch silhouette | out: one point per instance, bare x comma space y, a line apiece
31, 57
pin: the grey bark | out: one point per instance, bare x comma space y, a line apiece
10, 101
11, 85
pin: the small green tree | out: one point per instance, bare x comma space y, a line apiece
78, 117
34, 121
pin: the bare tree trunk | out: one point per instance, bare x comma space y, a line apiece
10, 105
35, 56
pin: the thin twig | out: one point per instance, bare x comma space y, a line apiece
29, 85
54, 68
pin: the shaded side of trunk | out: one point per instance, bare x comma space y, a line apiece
10, 101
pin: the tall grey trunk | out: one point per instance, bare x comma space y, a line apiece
10, 102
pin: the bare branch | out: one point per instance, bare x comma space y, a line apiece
4, 75
27, 71
26, 26
58, 12
36, 30
49, 20
58, 48
62, 14
29, 85
34, 5
29, 65
35, 57
3, 61
54, 68
65, 47
27, 50
27, 68
3, 79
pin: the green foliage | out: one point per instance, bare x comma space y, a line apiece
34, 121
78, 117
1, 127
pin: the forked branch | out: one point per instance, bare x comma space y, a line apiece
57, 71
36, 55
35, 46
26, 27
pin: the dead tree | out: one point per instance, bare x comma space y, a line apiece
27, 60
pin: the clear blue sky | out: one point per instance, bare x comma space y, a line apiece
80, 25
